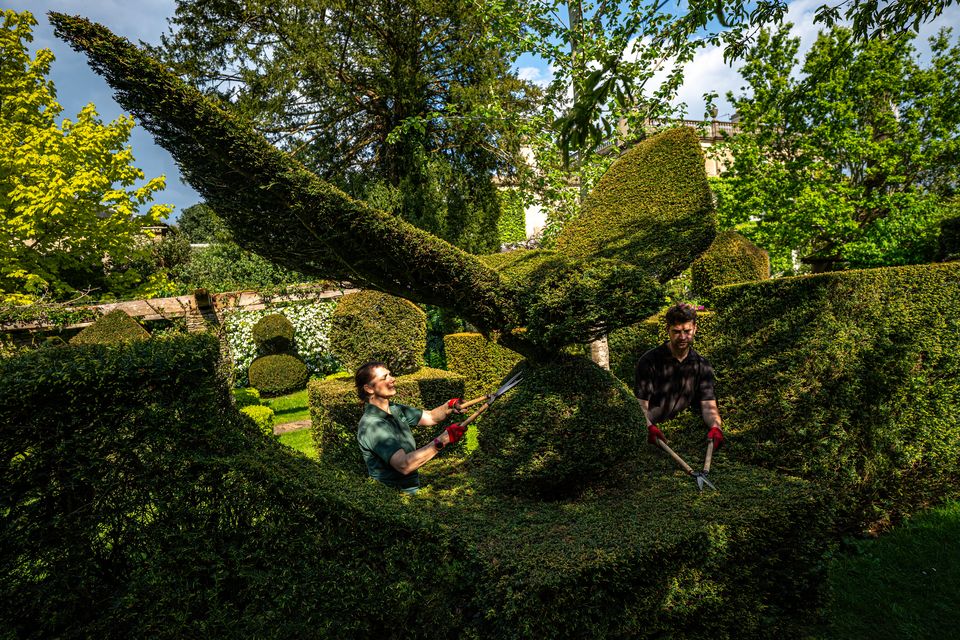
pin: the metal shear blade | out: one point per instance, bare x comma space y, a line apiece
701, 477
506, 386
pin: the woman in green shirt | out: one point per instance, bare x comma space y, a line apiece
385, 431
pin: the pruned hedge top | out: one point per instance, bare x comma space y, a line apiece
369, 325
653, 208
116, 326
731, 258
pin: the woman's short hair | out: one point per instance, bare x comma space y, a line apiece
363, 376
681, 313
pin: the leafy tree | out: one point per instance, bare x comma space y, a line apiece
226, 267
201, 225
69, 210
397, 103
845, 160
615, 48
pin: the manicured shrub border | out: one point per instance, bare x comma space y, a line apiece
140, 504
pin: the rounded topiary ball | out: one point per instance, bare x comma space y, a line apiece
370, 325
278, 374
273, 334
569, 425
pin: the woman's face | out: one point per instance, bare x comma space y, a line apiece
382, 385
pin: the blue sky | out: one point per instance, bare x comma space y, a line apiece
146, 20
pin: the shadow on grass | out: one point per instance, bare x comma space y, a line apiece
905, 584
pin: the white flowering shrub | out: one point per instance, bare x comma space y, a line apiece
311, 326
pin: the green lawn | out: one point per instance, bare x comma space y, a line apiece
301, 440
904, 584
289, 408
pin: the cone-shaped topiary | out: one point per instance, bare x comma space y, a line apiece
567, 426
273, 334
729, 260
278, 374
114, 327
370, 325
653, 208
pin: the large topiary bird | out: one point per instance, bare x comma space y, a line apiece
649, 218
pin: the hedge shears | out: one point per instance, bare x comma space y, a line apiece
699, 476
489, 399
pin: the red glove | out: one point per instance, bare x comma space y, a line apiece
455, 432
454, 404
653, 432
717, 436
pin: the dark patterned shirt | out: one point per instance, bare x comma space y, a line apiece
670, 386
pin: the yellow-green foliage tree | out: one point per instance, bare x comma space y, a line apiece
68, 194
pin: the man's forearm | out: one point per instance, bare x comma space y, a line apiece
710, 413
645, 406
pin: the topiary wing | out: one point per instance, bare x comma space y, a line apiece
273, 204
653, 208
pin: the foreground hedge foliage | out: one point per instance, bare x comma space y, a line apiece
116, 326
335, 411
138, 503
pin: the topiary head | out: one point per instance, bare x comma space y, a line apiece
569, 425
273, 334
370, 325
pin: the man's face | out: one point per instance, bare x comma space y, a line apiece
383, 383
681, 335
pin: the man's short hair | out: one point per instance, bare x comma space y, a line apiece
681, 313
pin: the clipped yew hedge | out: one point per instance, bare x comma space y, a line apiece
652, 208
484, 364
730, 259
335, 412
850, 379
569, 425
116, 326
278, 374
369, 325
138, 503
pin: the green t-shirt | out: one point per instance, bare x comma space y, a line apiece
381, 434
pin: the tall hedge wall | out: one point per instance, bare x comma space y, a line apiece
482, 362
137, 503
335, 411
653, 208
851, 379
730, 259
